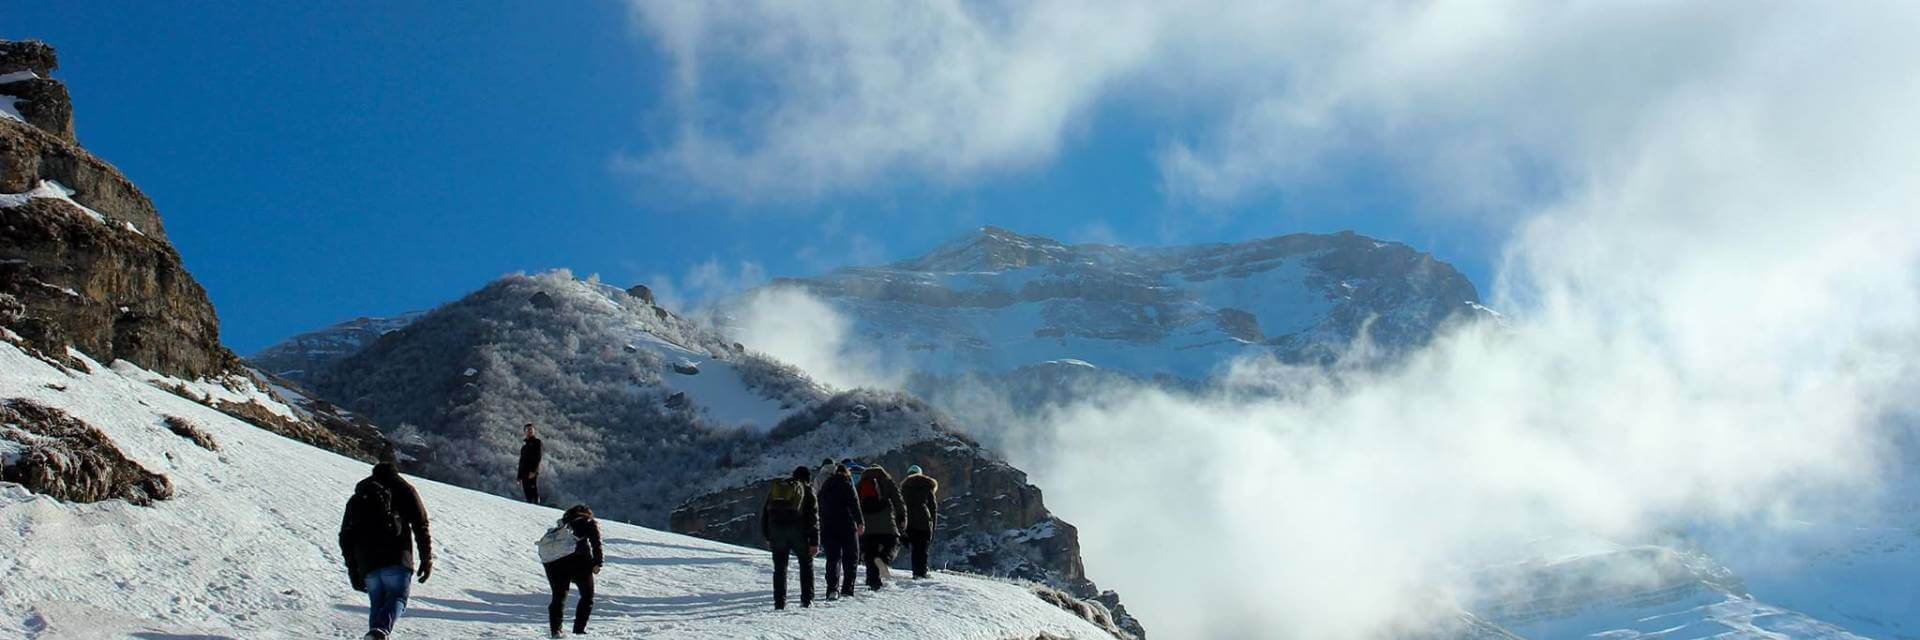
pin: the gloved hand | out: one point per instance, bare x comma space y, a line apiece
813, 551
596, 569
426, 569
358, 581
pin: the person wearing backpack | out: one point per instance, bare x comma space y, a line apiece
385, 524
530, 452
922, 495
840, 528
571, 554
885, 514
791, 525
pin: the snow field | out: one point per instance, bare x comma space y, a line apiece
247, 549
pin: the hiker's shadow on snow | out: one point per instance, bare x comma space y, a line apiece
669, 562
155, 635
510, 608
741, 552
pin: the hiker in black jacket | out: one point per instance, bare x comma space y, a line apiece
385, 523
578, 569
530, 453
885, 514
840, 528
790, 522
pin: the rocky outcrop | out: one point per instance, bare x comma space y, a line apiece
86, 264
1091, 610
992, 521
192, 432
83, 249
25, 71
54, 454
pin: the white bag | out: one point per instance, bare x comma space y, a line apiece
559, 542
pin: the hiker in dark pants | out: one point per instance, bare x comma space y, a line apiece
840, 528
384, 525
922, 495
530, 453
577, 568
791, 524
885, 514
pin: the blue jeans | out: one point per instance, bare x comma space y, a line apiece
387, 596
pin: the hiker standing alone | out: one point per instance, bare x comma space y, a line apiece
385, 523
576, 563
791, 524
840, 528
885, 515
922, 495
530, 453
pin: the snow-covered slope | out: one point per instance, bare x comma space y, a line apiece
246, 549
996, 300
1638, 592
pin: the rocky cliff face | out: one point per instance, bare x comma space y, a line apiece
83, 248
86, 264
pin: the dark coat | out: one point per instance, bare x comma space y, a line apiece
806, 529
530, 458
364, 553
587, 530
886, 513
839, 508
922, 495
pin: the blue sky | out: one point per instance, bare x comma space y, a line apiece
317, 162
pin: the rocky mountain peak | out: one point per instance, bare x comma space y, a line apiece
991, 249
28, 92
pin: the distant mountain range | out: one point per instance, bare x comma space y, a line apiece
995, 300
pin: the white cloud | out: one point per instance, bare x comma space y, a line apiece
782, 99
705, 283
803, 331
1476, 101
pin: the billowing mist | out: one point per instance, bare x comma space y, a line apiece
1708, 281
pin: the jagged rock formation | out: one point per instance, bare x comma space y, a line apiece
997, 300
301, 358
992, 521
85, 262
54, 454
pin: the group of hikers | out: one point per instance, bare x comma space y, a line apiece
850, 511
849, 520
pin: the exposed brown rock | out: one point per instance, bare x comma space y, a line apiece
187, 429
114, 293
70, 460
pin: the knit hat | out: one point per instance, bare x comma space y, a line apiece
913, 470
802, 473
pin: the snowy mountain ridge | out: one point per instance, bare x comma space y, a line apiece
301, 357
996, 300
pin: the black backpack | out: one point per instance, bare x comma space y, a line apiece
375, 521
